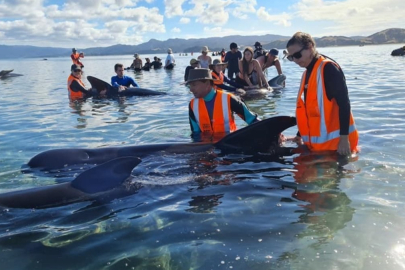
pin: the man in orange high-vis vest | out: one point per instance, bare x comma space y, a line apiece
211, 111
75, 56
323, 111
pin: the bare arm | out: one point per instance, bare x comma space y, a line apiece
263, 81
278, 67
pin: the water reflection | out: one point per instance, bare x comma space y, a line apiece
325, 209
204, 204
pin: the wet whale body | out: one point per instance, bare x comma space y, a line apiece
398, 52
103, 181
113, 165
278, 82
8, 73
113, 91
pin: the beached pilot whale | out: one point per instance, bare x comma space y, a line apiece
114, 164
113, 91
8, 73
103, 181
261, 136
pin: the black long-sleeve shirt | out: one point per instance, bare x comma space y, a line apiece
335, 88
77, 87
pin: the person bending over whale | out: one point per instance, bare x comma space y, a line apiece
270, 59
211, 112
120, 81
76, 88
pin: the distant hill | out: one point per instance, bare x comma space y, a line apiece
153, 46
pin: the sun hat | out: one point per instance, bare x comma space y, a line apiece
205, 49
136, 55
274, 52
74, 50
169, 50
217, 62
194, 61
199, 74
74, 67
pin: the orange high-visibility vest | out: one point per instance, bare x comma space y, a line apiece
218, 79
223, 120
72, 94
317, 117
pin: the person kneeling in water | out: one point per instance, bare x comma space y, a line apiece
120, 81
220, 79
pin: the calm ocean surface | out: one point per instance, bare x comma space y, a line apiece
298, 213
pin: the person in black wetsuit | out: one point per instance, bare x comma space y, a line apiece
324, 120
232, 58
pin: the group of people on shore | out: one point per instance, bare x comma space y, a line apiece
323, 111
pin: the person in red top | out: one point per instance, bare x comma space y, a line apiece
76, 57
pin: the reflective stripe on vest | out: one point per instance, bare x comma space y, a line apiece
224, 106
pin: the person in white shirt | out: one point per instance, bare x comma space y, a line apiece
170, 61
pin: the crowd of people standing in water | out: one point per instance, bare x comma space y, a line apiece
323, 112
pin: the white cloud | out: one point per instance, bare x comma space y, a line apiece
173, 8
353, 16
210, 11
283, 19
244, 8
184, 20
99, 22
175, 30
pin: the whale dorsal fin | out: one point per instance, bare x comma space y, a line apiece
257, 137
106, 176
98, 84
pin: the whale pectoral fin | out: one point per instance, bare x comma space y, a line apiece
257, 137
106, 176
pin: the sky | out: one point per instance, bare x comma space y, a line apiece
101, 23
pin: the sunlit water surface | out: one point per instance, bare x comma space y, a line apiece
205, 211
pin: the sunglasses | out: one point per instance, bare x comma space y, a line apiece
296, 55
77, 70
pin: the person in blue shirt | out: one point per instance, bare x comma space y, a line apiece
120, 81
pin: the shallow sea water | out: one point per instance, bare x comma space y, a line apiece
205, 211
